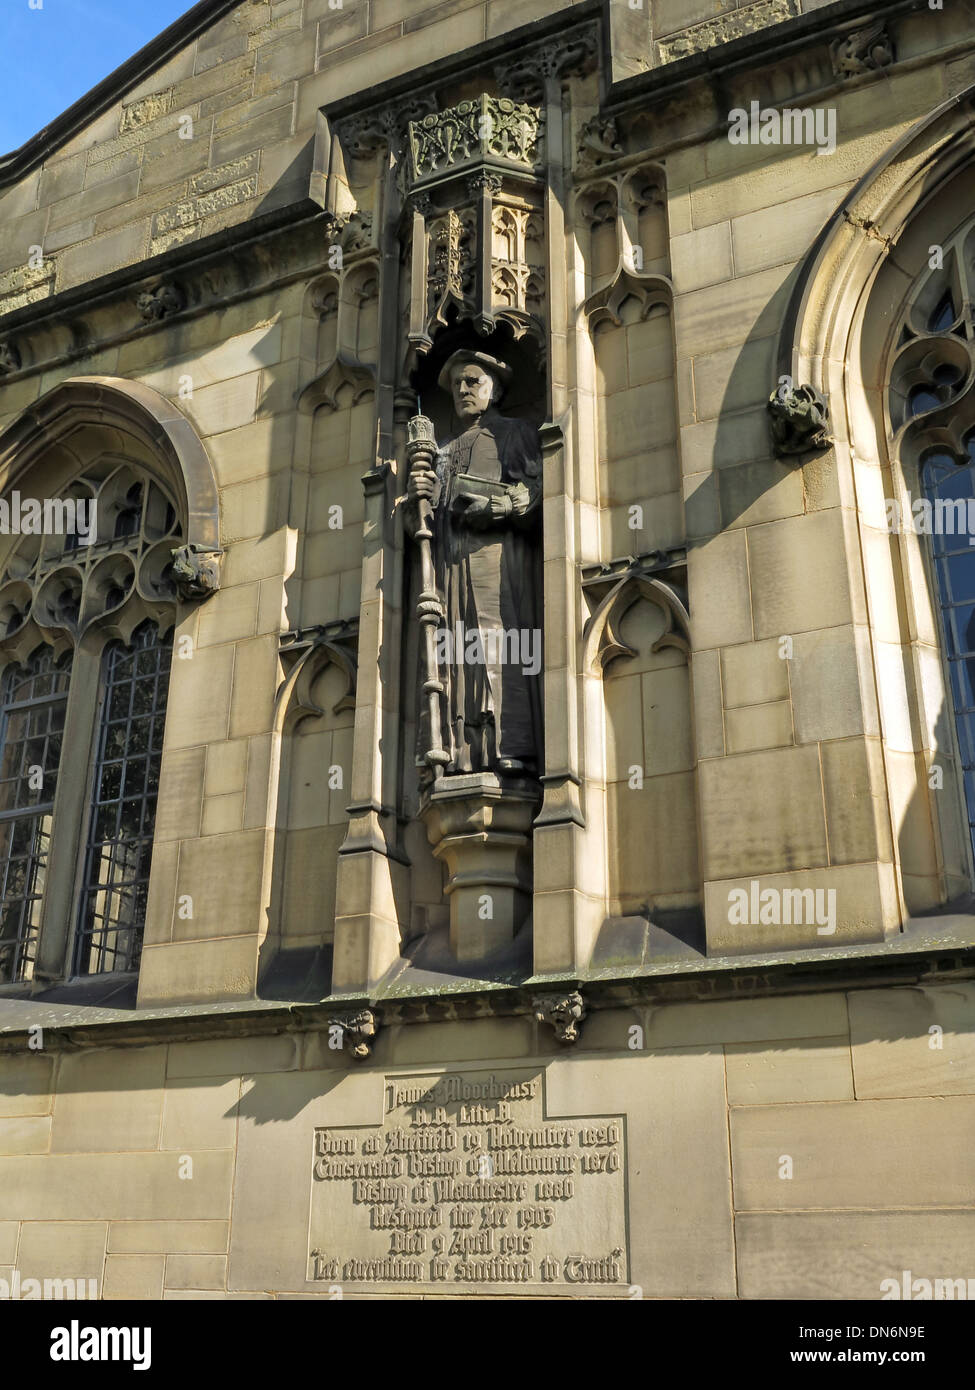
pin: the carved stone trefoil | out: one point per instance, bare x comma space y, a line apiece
562, 1012
161, 303
358, 1031
799, 418
196, 571
865, 50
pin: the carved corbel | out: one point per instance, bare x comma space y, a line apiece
9, 357
358, 1031
562, 1012
160, 303
611, 591
865, 50
799, 420
196, 571
351, 231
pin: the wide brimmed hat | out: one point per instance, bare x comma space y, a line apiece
490, 364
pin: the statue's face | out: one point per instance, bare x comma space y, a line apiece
473, 390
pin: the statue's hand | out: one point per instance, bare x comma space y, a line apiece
520, 499
421, 485
474, 511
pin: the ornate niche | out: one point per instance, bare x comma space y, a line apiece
314, 717
637, 649
475, 227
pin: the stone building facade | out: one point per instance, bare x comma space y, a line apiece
287, 1006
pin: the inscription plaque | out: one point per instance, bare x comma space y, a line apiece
468, 1182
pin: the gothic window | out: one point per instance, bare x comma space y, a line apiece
932, 411
86, 620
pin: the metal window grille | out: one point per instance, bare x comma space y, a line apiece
34, 700
122, 817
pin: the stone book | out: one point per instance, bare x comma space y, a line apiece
478, 487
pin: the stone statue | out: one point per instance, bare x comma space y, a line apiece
484, 498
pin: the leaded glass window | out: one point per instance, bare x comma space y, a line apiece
34, 699
126, 781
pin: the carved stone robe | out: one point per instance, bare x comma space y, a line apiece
490, 580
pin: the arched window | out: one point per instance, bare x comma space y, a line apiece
87, 610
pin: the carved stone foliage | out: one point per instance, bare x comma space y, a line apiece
659, 577
160, 303
384, 127
865, 50
485, 128
196, 571
103, 548
799, 418
9, 358
564, 1013
748, 19
598, 143
357, 1030
352, 232
574, 54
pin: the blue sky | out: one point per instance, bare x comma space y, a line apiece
49, 57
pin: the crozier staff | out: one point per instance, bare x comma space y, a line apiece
486, 500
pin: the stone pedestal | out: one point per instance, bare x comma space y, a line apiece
480, 827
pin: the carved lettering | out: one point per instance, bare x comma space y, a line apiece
426, 1198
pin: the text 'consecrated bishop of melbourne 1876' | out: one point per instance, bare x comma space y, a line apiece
486, 498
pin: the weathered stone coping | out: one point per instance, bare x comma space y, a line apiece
933, 950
